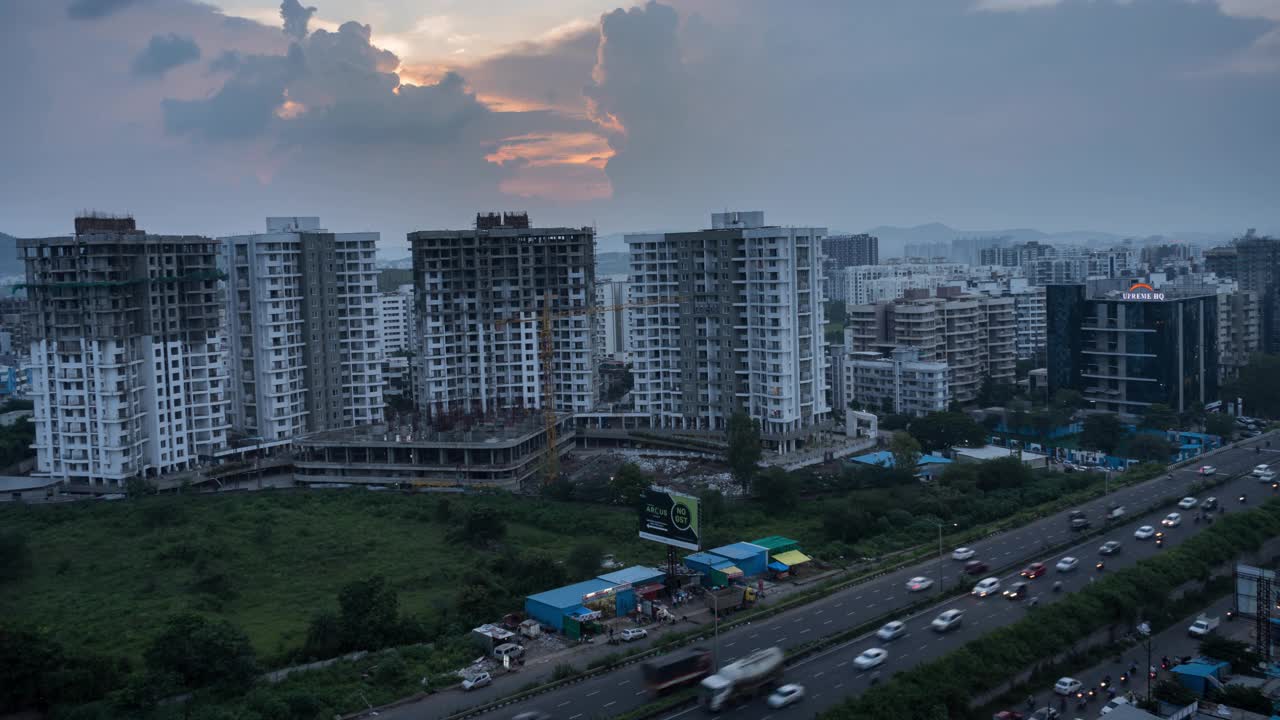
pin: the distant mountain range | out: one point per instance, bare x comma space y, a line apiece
894, 239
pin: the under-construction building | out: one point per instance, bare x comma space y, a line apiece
125, 351
481, 297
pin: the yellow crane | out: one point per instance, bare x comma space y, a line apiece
546, 348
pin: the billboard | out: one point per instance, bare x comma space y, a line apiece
670, 518
1248, 579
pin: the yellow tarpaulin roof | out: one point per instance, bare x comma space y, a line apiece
792, 557
730, 570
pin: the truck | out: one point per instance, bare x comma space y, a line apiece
677, 670
742, 679
727, 599
1203, 626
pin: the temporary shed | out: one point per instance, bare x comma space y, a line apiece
634, 584
553, 606
1201, 675
752, 559
792, 558
775, 544
716, 570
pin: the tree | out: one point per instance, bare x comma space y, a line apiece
200, 653
906, 451
15, 557
1006, 472
743, 453
777, 489
1068, 399
1258, 383
1149, 447
584, 560
368, 614
629, 484
1220, 424
1042, 423
940, 430
1102, 431
993, 393
1242, 657
711, 505
482, 525
1159, 417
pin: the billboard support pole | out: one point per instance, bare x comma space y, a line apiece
1264, 618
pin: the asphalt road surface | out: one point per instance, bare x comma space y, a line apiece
830, 677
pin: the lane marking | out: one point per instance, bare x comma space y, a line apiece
624, 682
611, 702
593, 692
566, 702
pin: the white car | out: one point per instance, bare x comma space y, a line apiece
1187, 503
786, 695
1067, 686
871, 657
1172, 520
918, 584
1208, 470
947, 620
1067, 564
986, 587
1146, 532
1267, 476
1260, 469
477, 681
963, 553
1112, 704
634, 634
892, 630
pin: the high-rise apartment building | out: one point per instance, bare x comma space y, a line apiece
480, 299
125, 351
843, 251
1254, 262
1000, 325
1127, 349
396, 328
611, 319
302, 319
863, 284
1029, 315
730, 318
898, 382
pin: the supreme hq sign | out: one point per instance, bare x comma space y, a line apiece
1142, 291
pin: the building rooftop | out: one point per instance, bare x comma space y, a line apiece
739, 551
884, 458
490, 431
570, 595
774, 541
632, 575
995, 452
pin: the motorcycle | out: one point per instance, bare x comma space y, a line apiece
1164, 663
1100, 566
1159, 542
1106, 681
1057, 586
1124, 678
1244, 499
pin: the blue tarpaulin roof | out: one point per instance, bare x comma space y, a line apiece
1200, 668
884, 458
739, 551
778, 567
570, 595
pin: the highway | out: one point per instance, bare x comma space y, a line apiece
828, 677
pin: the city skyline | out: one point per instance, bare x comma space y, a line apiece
1132, 118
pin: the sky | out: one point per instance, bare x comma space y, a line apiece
1127, 116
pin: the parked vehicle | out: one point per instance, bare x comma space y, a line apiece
1146, 532
963, 553
742, 679
871, 657
1203, 626
510, 650
1067, 564
892, 630
975, 567
986, 586
478, 680
919, 584
1112, 704
1187, 503
677, 670
725, 599
786, 695
947, 620
1067, 686
634, 634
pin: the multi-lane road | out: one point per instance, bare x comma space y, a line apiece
829, 676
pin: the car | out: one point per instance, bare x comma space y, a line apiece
785, 695
1008, 715
510, 650
1172, 520
975, 567
532, 715
986, 586
1067, 686
478, 680
919, 584
1110, 547
1045, 713
1115, 512
947, 620
963, 553
1209, 503
634, 634
1067, 564
1207, 470
1112, 704
1187, 503
1261, 468
1034, 570
871, 657
1075, 514
1267, 476
1080, 523
1017, 591
892, 630
1146, 532
1253, 433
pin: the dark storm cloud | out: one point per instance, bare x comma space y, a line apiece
164, 53
94, 9
244, 106
228, 61
295, 18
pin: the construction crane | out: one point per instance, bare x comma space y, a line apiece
546, 347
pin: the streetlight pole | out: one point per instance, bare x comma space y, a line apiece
1144, 629
940, 553
716, 635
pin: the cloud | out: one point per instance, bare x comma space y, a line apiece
164, 53
1013, 5
244, 106
94, 9
295, 18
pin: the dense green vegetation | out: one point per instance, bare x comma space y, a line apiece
945, 687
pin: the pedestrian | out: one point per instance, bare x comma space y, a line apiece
1031, 703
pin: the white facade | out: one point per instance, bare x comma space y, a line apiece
395, 319
125, 353
743, 328
611, 325
863, 284
900, 383
302, 316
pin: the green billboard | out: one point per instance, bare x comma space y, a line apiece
670, 518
